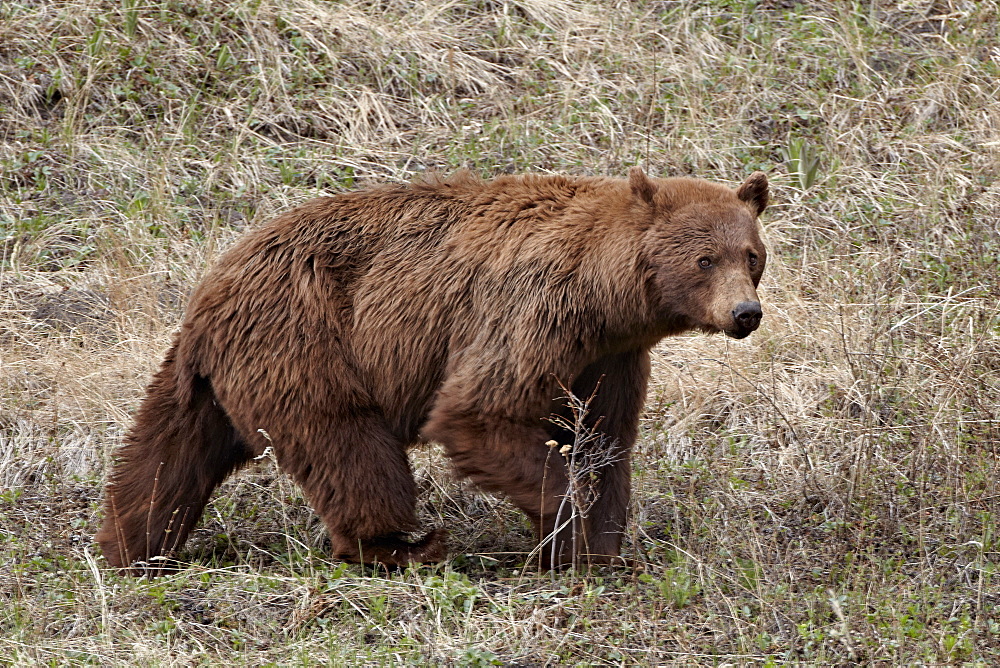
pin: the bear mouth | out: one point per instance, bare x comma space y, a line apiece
738, 333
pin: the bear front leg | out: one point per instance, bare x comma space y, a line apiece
577, 501
611, 392
512, 458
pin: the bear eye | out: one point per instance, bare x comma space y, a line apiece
705, 263
753, 259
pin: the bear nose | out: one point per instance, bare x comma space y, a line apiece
747, 315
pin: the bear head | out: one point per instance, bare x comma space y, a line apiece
703, 253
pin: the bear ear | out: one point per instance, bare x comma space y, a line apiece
754, 192
641, 186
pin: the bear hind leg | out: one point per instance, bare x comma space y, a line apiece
392, 549
173, 458
359, 481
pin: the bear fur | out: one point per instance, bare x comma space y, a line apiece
448, 310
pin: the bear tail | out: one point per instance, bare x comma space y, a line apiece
181, 447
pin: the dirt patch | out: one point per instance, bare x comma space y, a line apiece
84, 311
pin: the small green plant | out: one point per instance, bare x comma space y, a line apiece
677, 587
475, 656
130, 8
802, 162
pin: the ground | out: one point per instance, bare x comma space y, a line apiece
825, 491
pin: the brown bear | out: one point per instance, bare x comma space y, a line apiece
448, 310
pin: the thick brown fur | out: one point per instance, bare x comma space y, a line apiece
451, 310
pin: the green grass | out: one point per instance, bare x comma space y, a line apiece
825, 492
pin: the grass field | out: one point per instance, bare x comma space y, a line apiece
824, 492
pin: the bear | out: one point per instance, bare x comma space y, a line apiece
451, 310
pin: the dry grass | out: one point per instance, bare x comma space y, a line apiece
824, 492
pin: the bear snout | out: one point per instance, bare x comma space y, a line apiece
747, 317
